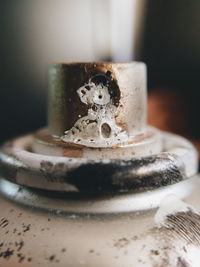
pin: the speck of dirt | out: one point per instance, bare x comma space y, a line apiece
184, 249
26, 228
52, 257
155, 252
19, 245
21, 257
49, 219
91, 250
29, 259
165, 247
7, 253
122, 242
63, 250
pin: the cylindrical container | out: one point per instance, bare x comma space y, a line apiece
98, 187
71, 94
47, 229
98, 110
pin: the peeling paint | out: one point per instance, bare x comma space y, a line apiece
98, 128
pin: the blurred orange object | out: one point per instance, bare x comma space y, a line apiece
169, 110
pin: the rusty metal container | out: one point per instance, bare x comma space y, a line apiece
98, 187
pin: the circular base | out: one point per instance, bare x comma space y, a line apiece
138, 146
93, 204
177, 162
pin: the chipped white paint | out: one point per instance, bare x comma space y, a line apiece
171, 205
98, 128
91, 94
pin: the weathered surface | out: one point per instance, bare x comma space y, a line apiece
40, 228
78, 90
96, 175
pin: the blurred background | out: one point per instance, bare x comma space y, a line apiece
163, 34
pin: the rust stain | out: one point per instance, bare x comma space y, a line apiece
121, 124
72, 153
136, 139
43, 137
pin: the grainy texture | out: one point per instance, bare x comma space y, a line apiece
185, 225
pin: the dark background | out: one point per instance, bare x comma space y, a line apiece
171, 50
170, 47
